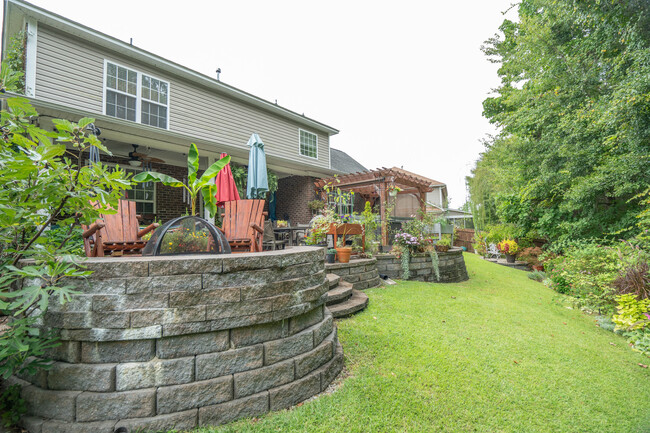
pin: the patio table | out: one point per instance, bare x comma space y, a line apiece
292, 231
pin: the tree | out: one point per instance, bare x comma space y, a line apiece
573, 111
43, 181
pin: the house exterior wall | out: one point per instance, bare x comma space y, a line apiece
293, 194
169, 200
70, 72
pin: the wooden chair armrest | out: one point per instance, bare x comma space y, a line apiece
221, 230
147, 229
92, 229
138, 217
265, 214
257, 228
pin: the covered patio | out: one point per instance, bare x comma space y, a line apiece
380, 184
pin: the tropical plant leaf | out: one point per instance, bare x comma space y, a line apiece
192, 163
209, 200
212, 171
152, 176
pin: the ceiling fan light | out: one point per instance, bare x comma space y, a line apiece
135, 163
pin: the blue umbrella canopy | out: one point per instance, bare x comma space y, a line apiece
258, 183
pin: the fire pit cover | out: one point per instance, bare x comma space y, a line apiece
186, 235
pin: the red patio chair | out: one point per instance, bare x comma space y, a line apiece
243, 222
116, 234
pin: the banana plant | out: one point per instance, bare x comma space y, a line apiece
194, 184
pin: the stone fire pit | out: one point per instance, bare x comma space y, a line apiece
160, 343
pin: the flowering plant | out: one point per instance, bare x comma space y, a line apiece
508, 246
407, 240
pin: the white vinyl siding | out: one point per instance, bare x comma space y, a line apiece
71, 73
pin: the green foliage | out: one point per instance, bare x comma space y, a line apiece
444, 242
240, 176
12, 406
43, 181
435, 263
12, 76
586, 273
572, 108
195, 184
370, 220
537, 276
405, 259
632, 312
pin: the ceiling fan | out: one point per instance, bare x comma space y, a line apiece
136, 158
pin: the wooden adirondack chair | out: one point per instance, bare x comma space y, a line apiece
117, 234
243, 222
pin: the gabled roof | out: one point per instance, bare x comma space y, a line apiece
88, 34
344, 163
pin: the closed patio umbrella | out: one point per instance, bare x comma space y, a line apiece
258, 183
226, 188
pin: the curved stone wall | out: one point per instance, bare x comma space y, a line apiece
171, 343
451, 267
361, 273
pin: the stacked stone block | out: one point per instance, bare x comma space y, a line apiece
361, 273
451, 265
173, 343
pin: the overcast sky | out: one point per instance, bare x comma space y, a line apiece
403, 81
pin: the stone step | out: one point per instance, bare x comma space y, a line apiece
333, 280
356, 303
339, 293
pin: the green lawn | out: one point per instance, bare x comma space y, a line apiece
492, 354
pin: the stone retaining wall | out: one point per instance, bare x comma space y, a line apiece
451, 266
361, 273
184, 341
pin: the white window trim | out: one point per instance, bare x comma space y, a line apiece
138, 95
308, 132
31, 33
127, 167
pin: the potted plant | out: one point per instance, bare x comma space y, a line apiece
393, 190
281, 224
316, 206
330, 256
443, 245
508, 247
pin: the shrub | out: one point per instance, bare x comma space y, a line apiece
43, 181
632, 313
586, 273
531, 255
537, 276
634, 276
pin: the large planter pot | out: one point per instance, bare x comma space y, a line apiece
510, 258
343, 254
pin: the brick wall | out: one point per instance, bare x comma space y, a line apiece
294, 192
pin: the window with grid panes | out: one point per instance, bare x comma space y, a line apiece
132, 95
142, 193
308, 144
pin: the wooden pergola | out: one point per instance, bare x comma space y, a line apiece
374, 185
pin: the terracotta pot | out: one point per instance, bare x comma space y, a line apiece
343, 254
510, 258
538, 267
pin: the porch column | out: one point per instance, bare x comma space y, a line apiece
423, 203
382, 212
